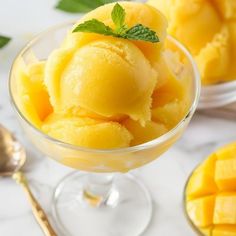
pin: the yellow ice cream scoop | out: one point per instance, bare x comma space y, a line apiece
108, 77
207, 28
87, 132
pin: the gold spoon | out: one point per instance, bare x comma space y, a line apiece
12, 158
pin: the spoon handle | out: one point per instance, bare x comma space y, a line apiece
36, 208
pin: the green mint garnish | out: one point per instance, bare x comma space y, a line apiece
140, 32
118, 16
137, 32
97, 27
4, 41
80, 6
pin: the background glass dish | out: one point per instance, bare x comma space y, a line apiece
101, 204
218, 95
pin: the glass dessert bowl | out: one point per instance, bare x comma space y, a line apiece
101, 202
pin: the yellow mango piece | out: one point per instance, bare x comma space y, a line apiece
143, 134
224, 230
225, 209
136, 13
201, 210
87, 132
206, 231
200, 185
227, 8
213, 59
208, 166
105, 77
227, 152
225, 174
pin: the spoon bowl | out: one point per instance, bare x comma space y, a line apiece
12, 153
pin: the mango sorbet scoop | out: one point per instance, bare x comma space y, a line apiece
208, 29
111, 84
105, 77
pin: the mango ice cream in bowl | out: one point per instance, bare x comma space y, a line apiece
208, 29
107, 94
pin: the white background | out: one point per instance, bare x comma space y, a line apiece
165, 178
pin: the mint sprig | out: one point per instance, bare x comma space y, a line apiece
80, 6
118, 16
137, 32
140, 32
97, 26
4, 41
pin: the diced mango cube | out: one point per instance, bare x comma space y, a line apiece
225, 174
225, 209
227, 152
200, 184
206, 231
224, 230
208, 166
201, 211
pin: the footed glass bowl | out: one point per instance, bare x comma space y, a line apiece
101, 203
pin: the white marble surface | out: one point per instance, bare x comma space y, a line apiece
165, 177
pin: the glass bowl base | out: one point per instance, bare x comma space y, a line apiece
126, 212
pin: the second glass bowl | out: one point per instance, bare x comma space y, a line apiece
218, 95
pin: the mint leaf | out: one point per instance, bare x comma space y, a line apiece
118, 16
137, 32
94, 26
4, 41
80, 6
140, 32
72, 6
